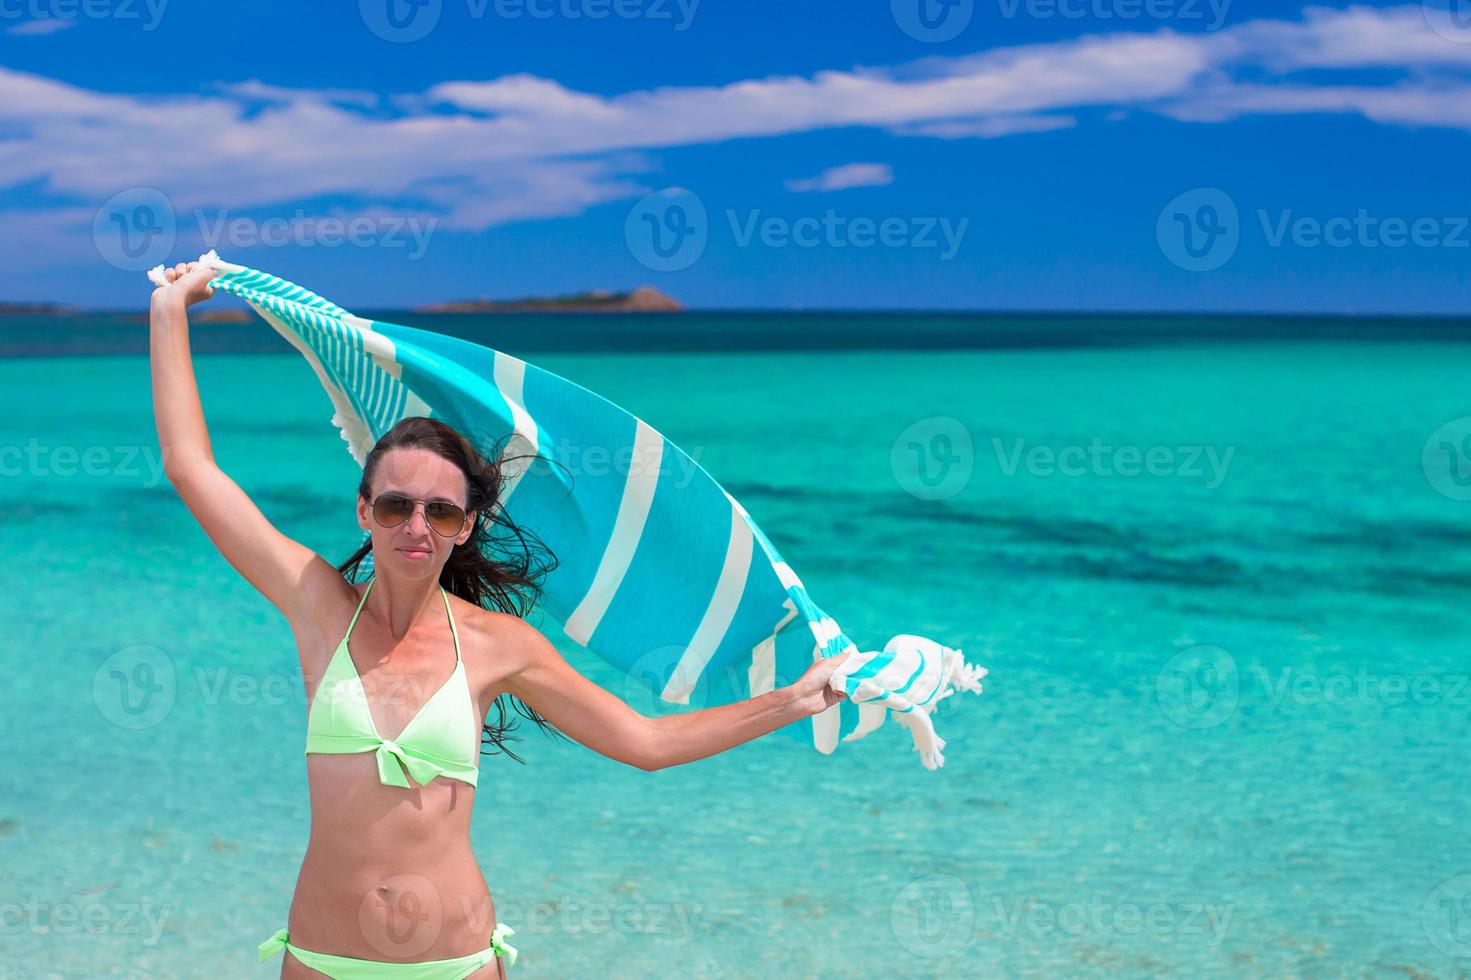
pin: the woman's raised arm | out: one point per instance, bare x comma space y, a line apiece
608, 725
284, 571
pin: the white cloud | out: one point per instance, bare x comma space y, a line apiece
989, 127
1356, 37
1403, 105
255, 89
846, 176
46, 25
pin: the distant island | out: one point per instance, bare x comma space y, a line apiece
222, 316
644, 299
36, 309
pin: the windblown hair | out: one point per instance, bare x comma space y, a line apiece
499, 566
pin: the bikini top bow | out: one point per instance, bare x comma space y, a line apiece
390, 754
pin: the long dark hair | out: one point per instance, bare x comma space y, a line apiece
500, 565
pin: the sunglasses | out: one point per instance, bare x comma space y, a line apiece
392, 509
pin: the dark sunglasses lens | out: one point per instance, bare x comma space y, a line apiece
447, 519
391, 510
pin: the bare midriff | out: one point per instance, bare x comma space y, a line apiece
388, 873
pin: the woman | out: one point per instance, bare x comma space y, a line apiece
389, 886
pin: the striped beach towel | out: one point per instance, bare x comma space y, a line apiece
660, 571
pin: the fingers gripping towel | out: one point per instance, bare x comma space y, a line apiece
659, 570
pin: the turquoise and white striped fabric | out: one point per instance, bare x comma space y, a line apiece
662, 572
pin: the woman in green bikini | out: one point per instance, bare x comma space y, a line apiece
389, 887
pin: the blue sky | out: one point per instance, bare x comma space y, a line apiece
993, 154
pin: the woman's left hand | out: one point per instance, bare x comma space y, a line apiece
811, 691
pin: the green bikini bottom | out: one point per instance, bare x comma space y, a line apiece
350, 968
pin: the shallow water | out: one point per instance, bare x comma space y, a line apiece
1223, 732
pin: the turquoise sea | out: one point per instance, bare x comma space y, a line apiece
1217, 570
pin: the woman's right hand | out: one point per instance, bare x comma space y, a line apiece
188, 281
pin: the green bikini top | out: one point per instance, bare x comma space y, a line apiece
443, 739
